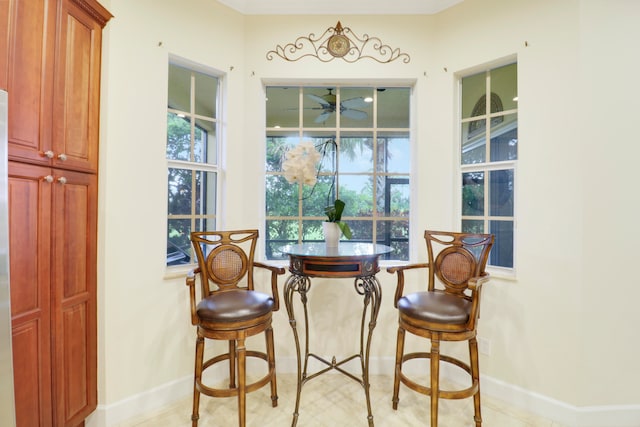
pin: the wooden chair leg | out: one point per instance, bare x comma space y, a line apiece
242, 378
232, 364
475, 376
197, 380
271, 357
398, 370
435, 380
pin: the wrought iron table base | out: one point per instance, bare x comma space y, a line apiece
367, 286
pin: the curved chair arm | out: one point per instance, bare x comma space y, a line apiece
191, 283
475, 285
400, 271
275, 271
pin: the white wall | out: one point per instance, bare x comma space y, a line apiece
559, 332
146, 339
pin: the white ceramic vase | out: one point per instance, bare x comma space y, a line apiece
331, 234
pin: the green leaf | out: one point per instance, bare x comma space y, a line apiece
344, 227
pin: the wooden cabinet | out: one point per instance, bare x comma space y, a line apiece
53, 77
50, 56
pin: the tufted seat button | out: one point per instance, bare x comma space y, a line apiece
234, 305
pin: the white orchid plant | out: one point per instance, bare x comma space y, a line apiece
301, 166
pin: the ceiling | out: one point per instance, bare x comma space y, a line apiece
339, 7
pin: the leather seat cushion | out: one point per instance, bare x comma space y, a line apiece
234, 305
436, 307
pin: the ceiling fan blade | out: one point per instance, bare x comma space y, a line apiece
354, 103
355, 114
323, 117
319, 99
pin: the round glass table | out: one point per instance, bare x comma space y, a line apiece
358, 261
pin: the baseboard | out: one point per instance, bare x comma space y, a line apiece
571, 416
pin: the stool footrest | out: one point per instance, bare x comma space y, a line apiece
228, 392
445, 394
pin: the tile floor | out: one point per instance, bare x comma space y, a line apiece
333, 400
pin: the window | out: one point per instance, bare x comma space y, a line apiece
363, 136
490, 113
192, 159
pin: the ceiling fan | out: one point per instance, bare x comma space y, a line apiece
348, 107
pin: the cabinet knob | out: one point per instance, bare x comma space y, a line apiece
62, 180
48, 154
62, 156
48, 178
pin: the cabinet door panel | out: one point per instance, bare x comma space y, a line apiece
77, 89
30, 61
74, 296
29, 246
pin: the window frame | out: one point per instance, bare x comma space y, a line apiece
487, 166
214, 166
348, 132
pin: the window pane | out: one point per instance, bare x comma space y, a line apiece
178, 137
502, 251
178, 243
355, 112
393, 107
501, 192
473, 141
504, 82
325, 143
473, 226
206, 88
283, 231
356, 152
316, 198
282, 197
205, 193
474, 88
362, 230
180, 196
204, 149
473, 193
357, 192
282, 106
319, 107
179, 88
394, 155
396, 235
278, 143
393, 197
504, 138
312, 231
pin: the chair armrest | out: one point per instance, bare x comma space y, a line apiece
399, 270
191, 283
475, 283
275, 272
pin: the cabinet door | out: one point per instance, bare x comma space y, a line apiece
29, 249
73, 267
76, 102
29, 43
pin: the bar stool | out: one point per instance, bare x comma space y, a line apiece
230, 309
447, 313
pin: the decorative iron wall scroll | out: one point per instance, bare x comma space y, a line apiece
338, 42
